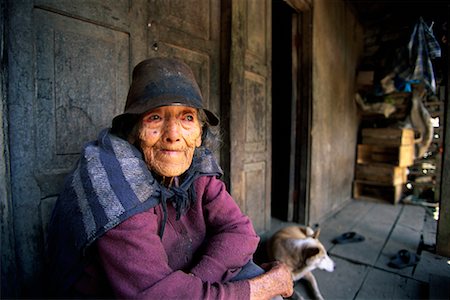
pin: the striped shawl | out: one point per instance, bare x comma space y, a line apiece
109, 184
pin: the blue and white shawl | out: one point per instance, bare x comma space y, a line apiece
110, 183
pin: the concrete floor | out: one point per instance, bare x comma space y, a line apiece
362, 270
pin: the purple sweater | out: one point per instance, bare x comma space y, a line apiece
195, 259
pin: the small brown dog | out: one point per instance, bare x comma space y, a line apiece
300, 249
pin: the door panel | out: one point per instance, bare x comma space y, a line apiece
250, 109
108, 13
75, 97
68, 79
257, 30
189, 30
189, 17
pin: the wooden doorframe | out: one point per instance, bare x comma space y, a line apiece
296, 119
8, 254
225, 88
250, 109
303, 86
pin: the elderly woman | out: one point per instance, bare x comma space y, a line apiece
144, 213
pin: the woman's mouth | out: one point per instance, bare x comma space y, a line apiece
171, 151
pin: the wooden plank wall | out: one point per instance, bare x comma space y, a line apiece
337, 44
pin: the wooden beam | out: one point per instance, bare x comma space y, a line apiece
300, 5
8, 265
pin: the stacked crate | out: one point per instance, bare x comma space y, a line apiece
382, 163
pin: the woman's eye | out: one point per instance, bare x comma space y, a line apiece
152, 118
155, 117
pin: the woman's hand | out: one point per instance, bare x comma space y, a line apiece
276, 281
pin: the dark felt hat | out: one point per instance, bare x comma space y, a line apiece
159, 82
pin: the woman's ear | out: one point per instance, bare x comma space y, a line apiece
198, 142
133, 135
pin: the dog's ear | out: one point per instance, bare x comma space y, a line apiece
308, 231
304, 230
310, 251
316, 233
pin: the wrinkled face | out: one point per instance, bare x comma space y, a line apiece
169, 136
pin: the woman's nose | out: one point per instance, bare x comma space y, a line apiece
172, 131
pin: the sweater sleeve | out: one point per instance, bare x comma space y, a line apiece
136, 265
231, 237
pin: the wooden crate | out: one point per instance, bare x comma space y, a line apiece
381, 173
402, 156
388, 136
365, 190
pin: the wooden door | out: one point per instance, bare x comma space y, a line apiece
250, 109
69, 71
189, 30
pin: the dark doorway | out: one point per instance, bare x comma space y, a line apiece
281, 106
291, 89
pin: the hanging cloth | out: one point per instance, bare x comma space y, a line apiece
422, 48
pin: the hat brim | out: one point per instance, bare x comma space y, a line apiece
143, 106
